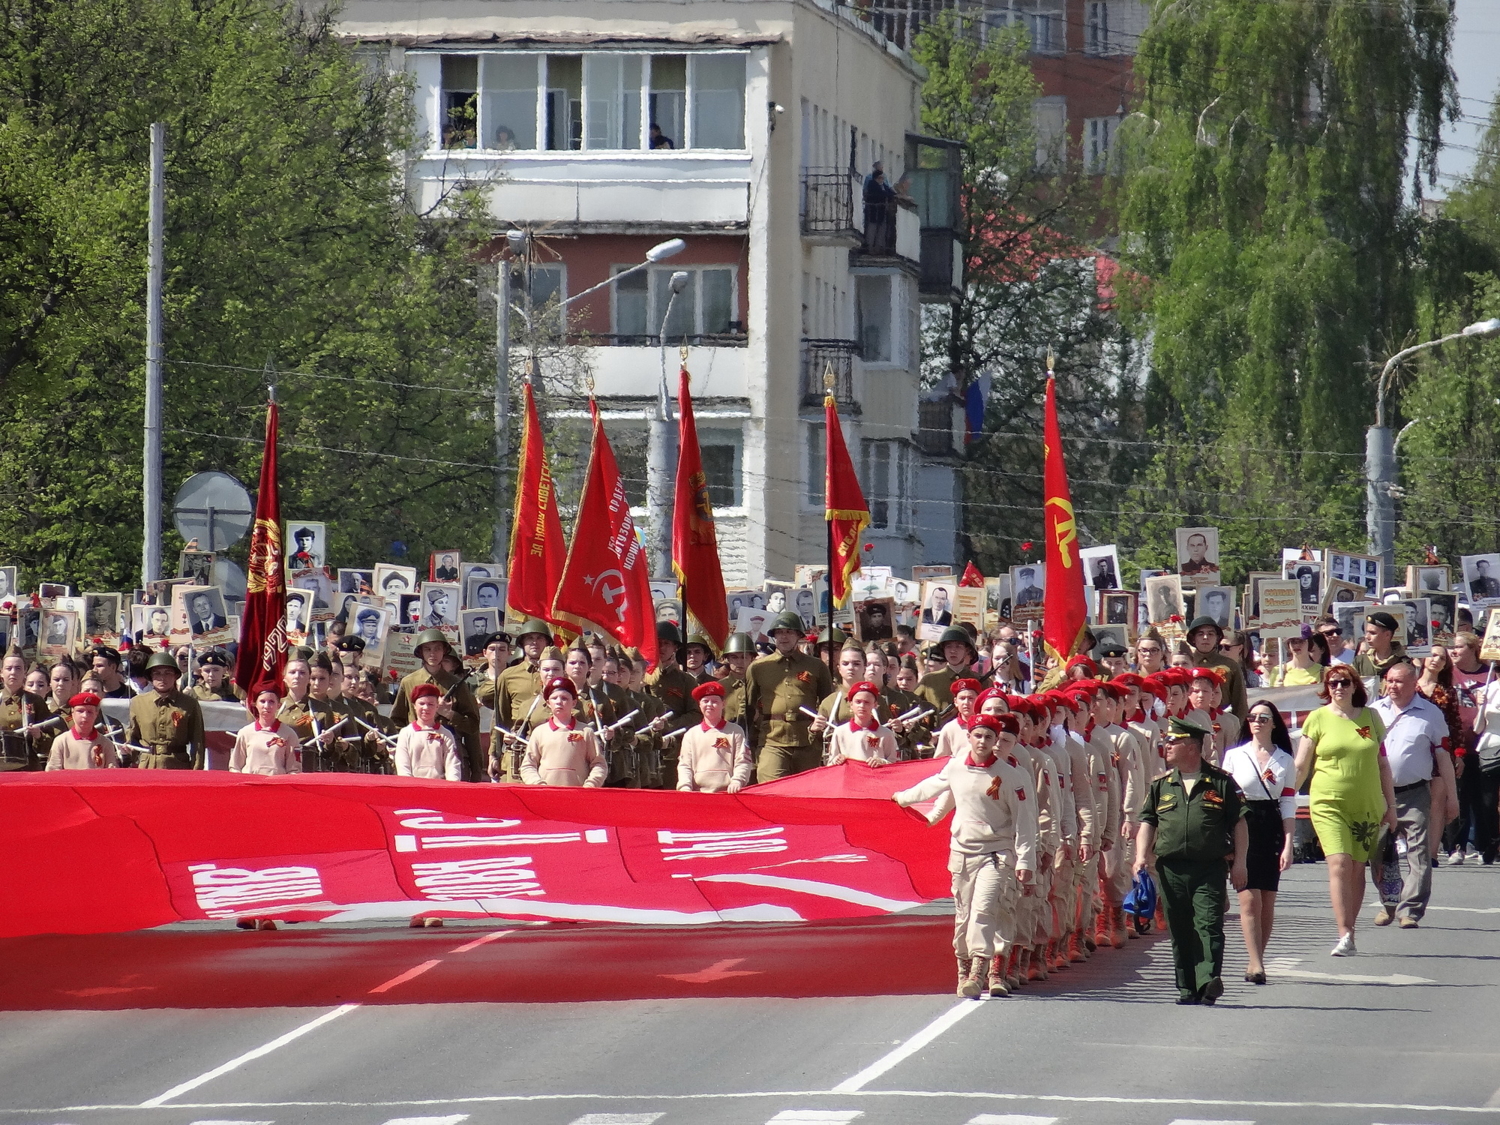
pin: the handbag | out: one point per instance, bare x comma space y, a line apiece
1385, 866
1140, 902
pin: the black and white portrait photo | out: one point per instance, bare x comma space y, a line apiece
1101, 567
1198, 555
443, 566
1163, 598
356, 581
440, 605
1027, 583
197, 567
478, 626
875, 620
101, 614
305, 545
1481, 577
391, 581
7, 585
298, 611
1216, 602
937, 604
1308, 574
484, 593
317, 582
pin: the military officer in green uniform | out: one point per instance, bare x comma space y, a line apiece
457, 707
739, 651
22, 710
1205, 635
781, 684
1193, 831
959, 654
672, 687
166, 722
513, 695
215, 686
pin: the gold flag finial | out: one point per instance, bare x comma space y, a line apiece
830, 380
1051, 359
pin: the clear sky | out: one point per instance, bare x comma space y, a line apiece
1476, 61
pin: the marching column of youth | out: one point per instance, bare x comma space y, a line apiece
992, 848
1193, 833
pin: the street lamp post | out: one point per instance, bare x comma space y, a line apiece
519, 244
1380, 449
659, 449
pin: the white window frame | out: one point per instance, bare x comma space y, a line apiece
653, 325
734, 436
484, 127
894, 491
1099, 143
1051, 150
897, 318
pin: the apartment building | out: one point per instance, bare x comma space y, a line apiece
748, 129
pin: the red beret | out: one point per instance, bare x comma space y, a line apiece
84, 699
710, 687
1081, 661
1213, 675
864, 685
559, 683
998, 723
965, 684
993, 693
1129, 679
425, 691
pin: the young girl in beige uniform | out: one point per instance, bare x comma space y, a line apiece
715, 756
80, 747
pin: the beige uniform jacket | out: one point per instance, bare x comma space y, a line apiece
563, 756
1083, 782
994, 807
713, 756
428, 753
266, 751
69, 752
863, 744
1106, 780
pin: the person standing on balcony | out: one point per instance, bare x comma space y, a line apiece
880, 212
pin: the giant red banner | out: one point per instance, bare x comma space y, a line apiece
112, 850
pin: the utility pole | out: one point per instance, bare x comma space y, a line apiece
501, 546
659, 452
1380, 450
151, 464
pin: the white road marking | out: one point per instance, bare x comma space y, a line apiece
1468, 909
217, 1122
452, 1119
1011, 1119
248, 1056
909, 1048
619, 1118
477, 942
827, 1116
402, 978
1491, 1113
1208, 1121
1285, 967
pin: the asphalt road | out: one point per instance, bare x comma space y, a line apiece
856, 1022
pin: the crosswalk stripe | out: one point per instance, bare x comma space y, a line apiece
452, 1119
826, 1116
1207, 1121
1011, 1119
619, 1119
218, 1122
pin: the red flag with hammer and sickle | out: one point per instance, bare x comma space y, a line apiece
1065, 609
606, 579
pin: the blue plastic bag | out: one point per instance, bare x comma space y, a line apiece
1140, 903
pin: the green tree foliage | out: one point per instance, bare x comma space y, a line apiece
290, 242
1449, 447
1267, 215
1031, 286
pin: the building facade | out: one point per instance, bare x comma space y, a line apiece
750, 129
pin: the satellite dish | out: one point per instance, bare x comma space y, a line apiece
214, 509
228, 577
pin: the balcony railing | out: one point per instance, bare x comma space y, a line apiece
818, 358
935, 435
698, 340
829, 211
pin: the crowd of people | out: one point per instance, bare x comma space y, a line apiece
1062, 790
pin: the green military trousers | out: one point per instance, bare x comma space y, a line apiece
1193, 897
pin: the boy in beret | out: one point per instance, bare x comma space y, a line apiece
715, 756
562, 751
81, 747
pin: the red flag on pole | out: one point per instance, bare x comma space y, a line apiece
695, 543
846, 511
262, 651
605, 579
536, 537
971, 577
1065, 610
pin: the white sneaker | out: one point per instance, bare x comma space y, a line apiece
1456, 859
1345, 947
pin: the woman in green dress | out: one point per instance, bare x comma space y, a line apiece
1351, 794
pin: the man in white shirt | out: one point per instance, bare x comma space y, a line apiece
1416, 743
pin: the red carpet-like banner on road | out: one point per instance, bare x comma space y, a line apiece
107, 851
